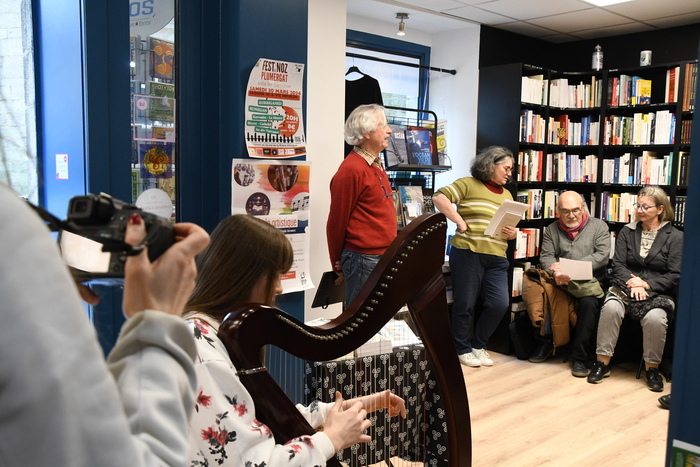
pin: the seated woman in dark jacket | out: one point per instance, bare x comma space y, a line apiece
648, 261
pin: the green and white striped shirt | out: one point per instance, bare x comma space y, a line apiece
477, 205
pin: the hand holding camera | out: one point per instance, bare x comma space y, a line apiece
166, 283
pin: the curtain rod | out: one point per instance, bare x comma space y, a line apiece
395, 62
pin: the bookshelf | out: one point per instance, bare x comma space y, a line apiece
604, 134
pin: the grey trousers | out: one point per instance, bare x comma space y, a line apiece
654, 326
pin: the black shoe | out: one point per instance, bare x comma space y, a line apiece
579, 369
665, 401
542, 352
654, 380
599, 371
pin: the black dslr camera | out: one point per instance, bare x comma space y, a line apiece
92, 237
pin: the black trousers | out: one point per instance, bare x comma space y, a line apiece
587, 314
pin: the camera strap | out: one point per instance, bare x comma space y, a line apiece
108, 245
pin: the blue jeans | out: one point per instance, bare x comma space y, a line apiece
475, 276
356, 268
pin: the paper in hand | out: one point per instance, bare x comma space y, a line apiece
576, 270
508, 213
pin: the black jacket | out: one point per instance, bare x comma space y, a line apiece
661, 269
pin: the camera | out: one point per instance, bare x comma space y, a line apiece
94, 247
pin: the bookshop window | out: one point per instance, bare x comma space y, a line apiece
394, 63
153, 122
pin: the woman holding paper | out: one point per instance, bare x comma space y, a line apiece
478, 262
647, 261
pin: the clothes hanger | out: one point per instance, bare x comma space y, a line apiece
354, 69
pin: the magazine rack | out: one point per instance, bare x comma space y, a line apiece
414, 124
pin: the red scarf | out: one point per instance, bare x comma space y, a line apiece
494, 187
573, 231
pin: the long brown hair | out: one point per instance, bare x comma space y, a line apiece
243, 249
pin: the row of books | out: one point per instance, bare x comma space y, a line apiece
641, 128
563, 131
535, 166
527, 243
533, 198
617, 207
635, 169
690, 87
532, 127
686, 131
533, 90
628, 90
563, 94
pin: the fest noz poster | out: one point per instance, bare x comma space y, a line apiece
274, 124
277, 192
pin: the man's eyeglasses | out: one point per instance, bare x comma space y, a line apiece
644, 208
565, 212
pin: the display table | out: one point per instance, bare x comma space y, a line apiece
405, 371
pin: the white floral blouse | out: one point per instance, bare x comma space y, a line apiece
223, 428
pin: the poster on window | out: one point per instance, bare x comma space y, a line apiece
278, 193
274, 127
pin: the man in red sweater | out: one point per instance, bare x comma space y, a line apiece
362, 219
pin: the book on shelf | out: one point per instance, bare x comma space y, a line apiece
398, 208
533, 198
683, 167
421, 146
517, 289
412, 203
508, 213
673, 75
397, 151
440, 138
643, 91
533, 90
679, 211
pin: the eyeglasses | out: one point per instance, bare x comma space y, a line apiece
645, 208
566, 212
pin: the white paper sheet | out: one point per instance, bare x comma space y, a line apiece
508, 213
576, 270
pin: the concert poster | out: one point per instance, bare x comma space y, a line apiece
277, 192
274, 124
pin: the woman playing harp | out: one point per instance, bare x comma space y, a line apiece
242, 264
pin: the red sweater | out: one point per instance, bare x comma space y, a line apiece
362, 217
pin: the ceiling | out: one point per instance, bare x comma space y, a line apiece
555, 21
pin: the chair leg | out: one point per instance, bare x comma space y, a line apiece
641, 366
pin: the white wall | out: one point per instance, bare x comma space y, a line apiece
453, 97
325, 108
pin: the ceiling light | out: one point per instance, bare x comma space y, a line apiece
402, 26
606, 2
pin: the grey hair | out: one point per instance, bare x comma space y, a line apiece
660, 199
487, 160
362, 121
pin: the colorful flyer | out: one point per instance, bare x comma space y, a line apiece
274, 125
278, 193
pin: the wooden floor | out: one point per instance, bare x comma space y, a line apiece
538, 414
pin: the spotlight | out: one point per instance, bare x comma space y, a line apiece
402, 26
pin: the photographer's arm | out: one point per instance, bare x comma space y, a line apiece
152, 362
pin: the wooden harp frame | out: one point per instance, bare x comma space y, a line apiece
409, 272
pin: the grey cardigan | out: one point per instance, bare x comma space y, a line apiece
591, 244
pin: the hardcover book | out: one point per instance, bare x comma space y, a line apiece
397, 152
421, 148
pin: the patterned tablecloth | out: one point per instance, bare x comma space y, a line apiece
421, 437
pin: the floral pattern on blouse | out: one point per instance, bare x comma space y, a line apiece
223, 428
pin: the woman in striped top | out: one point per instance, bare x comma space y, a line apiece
478, 262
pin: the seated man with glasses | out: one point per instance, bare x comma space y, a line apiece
553, 300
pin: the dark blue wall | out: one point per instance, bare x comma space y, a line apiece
685, 403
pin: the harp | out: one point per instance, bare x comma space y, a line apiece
409, 272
